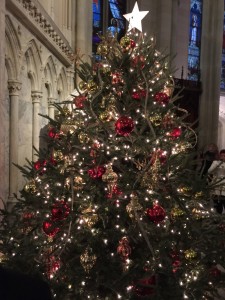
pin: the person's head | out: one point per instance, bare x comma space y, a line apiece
222, 155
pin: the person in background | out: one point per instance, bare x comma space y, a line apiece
217, 170
210, 154
18, 286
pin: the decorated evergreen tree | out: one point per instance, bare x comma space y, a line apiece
114, 207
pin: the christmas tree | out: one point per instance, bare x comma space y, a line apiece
114, 208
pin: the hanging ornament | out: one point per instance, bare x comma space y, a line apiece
156, 119
125, 42
53, 133
27, 219
161, 98
124, 250
78, 183
168, 121
82, 85
117, 78
89, 218
110, 177
60, 210
105, 116
96, 172
53, 265
49, 228
57, 155
190, 254
169, 87
145, 287
88, 260
92, 86
140, 94
134, 208
83, 138
156, 214
176, 213
124, 126
115, 192
79, 101
30, 187
103, 49
175, 133
69, 126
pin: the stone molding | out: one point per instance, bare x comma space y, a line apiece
36, 96
14, 87
33, 16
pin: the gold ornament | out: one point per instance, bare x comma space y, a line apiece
83, 138
102, 49
91, 86
184, 190
134, 208
67, 112
105, 116
110, 177
67, 183
30, 187
125, 42
88, 217
156, 119
78, 183
57, 155
190, 254
176, 212
82, 85
87, 260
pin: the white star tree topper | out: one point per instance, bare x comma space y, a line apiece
134, 18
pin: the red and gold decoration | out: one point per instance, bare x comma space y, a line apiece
97, 172
161, 98
124, 250
124, 126
79, 101
50, 228
156, 214
88, 260
60, 210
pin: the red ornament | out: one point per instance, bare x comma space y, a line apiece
52, 133
215, 272
124, 126
145, 287
37, 165
79, 101
161, 98
60, 210
52, 161
96, 172
138, 61
132, 44
49, 228
175, 133
156, 214
139, 94
124, 249
53, 265
117, 78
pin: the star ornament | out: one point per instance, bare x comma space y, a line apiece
135, 18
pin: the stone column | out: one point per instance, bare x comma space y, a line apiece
14, 89
51, 108
3, 183
36, 98
210, 66
70, 80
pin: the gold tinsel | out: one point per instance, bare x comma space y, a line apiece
30, 187
83, 137
190, 254
87, 260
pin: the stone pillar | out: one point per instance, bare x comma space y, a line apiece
51, 108
70, 80
83, 24
14, 89
210, 66
36, 98
3, 183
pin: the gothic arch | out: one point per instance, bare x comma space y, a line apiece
62, 86
34, 63
50, 77
13, 50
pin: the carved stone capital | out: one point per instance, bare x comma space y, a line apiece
36, 96
51, 101
14, 87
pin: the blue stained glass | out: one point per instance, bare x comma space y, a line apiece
194, 40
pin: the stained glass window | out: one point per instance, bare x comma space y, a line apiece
108, 16
195, 40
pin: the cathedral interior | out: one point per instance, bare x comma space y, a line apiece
40, 38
